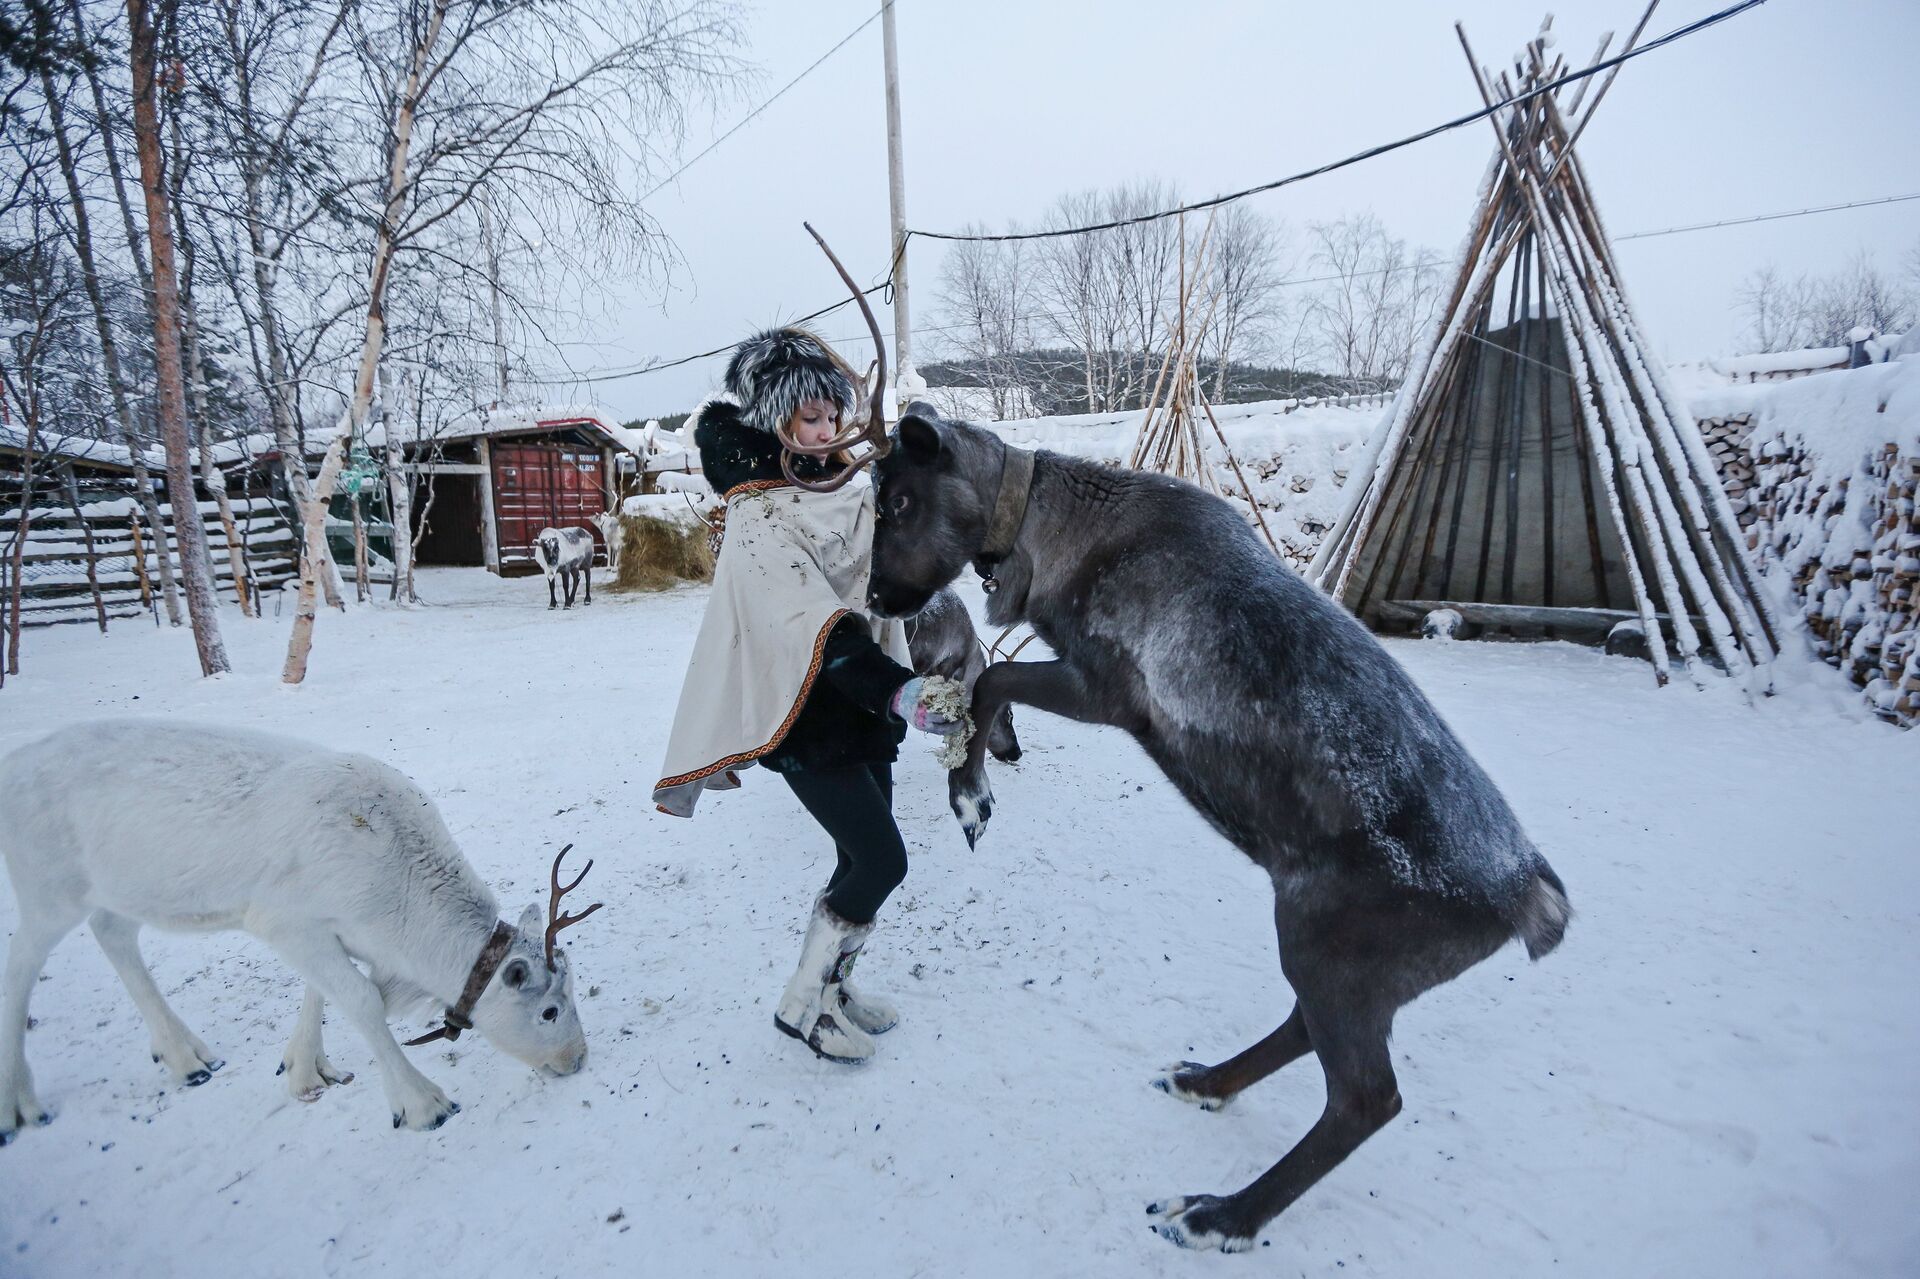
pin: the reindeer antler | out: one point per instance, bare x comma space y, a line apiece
871, 427
555, 920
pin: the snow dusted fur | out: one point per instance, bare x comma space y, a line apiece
566, 553
614, 533
943, 642
1396, 864
773, 373
327, 857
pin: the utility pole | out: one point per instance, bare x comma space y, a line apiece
492, 253
907, 383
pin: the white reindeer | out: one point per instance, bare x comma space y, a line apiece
566, 553
614, 534
327, 857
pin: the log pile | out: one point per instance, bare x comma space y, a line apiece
1849, 547
1726, 440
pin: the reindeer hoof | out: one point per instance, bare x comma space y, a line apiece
973, 805
1176, 1081
1198, 1222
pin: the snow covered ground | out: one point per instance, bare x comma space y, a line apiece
1713, 1076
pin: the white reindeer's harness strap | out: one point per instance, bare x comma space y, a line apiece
460, 1016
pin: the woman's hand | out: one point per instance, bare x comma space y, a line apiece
929, 706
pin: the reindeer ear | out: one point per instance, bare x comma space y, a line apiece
532, 925
920, 438
516, 973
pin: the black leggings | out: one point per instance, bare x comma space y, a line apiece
855, 806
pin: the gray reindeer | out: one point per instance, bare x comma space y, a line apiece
1396, 864
943, 642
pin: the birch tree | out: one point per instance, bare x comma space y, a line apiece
985, 294
1382, 297
53, 94
189, 535
525, 102
1247, 257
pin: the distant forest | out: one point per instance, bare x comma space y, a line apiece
1056, 383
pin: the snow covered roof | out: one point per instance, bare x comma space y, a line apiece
1747, 366
523, 418
75, 448
503, 420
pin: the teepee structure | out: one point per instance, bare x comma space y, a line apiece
1537, 473
1170, 439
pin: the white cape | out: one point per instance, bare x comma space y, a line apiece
793, 563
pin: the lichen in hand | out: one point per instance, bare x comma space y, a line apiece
948, 697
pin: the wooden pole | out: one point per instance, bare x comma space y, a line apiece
489, 526
1589, 404
897, 207
140, 564
93, 562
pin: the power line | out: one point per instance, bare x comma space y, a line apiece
750, 116
615, 375
1678, 33
1770, 217
1669, 38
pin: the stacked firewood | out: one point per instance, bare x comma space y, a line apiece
1726, 439
1854, 568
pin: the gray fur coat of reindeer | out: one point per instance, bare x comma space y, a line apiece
1395, 862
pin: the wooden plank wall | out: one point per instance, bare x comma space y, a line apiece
54, 566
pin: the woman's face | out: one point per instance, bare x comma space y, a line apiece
815, 422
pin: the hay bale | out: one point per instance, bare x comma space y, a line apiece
662, 548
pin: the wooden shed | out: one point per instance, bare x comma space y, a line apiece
486, 487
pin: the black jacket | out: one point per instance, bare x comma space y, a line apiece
845, 720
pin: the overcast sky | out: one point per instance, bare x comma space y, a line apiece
1009, 103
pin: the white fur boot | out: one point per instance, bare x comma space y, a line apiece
870, 1013
811, 1010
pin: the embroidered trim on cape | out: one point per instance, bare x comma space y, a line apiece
753, 486
793, 712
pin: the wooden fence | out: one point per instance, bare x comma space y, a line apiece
60, 573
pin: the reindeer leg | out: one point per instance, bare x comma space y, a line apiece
589, 572
1211, 1087
40, 930
1052, 686
188, 1060
318, 956
305, 1064
1362, 1097
552, 602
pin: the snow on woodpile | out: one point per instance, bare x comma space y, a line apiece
1295, 454
1823, 473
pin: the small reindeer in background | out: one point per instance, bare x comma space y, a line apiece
565, 553
614, 534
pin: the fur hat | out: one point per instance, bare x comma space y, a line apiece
773, 373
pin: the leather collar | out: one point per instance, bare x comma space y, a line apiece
1009, 512
460, 1016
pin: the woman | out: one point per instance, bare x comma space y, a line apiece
790, 672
